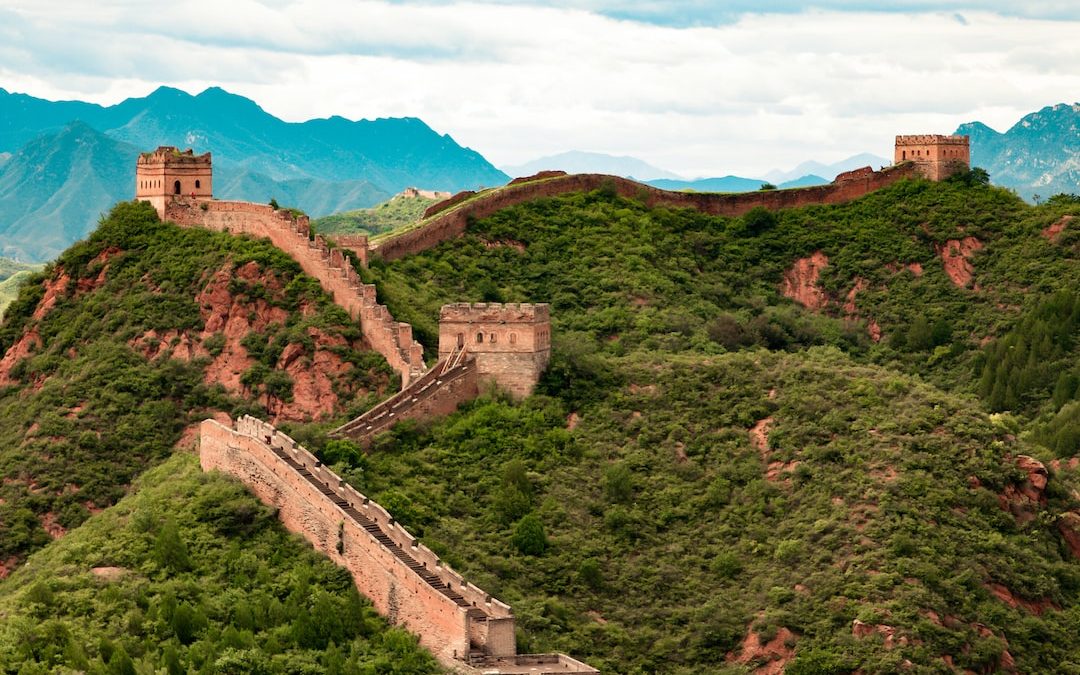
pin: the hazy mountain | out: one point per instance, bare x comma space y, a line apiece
54, 188
390, 153
321, 166
593, 162
733, 184
723, 184
315, 197
1039, 155
827, 171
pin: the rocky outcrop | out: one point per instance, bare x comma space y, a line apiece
56, 287
1052, 231
955, 256
318, 373
1023, 499
801, 282
769, 657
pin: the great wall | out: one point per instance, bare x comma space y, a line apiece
505, 345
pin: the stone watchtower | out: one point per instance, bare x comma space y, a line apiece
511, 343
937, 157
167, 173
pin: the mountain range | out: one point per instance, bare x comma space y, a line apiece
63, 152
1038, 156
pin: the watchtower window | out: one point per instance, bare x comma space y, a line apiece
176, 188
513, 338
460, 340
493, 338
479, 338
904, 154
197, 185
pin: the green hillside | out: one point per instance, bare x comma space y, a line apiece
669, 533
711, 477
399, 211
87, 411
192, 574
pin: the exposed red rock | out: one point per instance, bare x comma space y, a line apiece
888, 633
7, 566
1052, 231
23, 347
233, 317
773, 655
849, 304
572, 420
1069, 526
108, 573
54, 290
800, 282
54, 528
954, 256
773, 471
759, 434
1002, 593
1037, 477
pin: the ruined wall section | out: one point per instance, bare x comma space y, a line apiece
334, 271
397, 591
437, 393
450, 221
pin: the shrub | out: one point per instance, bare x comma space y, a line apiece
529, 537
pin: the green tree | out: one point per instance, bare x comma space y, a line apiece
529, 537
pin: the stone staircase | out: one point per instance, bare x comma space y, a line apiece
436, 392
375, 531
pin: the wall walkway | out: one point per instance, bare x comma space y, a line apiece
406, 581
334, 271
447, 220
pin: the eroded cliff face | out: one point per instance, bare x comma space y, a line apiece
239, 303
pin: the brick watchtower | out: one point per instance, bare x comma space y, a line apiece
167, 173
511, 343
937, 157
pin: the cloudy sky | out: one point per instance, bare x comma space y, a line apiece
695, 86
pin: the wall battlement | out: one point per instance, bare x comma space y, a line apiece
334, 271
405, 580
448, 220
927, 139
510, 342
510, 312
935, 156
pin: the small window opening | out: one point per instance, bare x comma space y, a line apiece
176, 188
479, 338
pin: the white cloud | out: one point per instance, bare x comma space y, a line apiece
516, 81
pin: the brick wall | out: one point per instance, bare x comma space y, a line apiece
336, 275
511, 342
394, 588
449, 222
437, 393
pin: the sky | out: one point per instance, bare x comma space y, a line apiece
696, 87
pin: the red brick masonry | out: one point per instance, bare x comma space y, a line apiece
406, 581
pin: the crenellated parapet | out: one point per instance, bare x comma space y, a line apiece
466, 628
511, 342
292, 233
935, 156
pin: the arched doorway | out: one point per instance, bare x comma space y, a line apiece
176, 188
